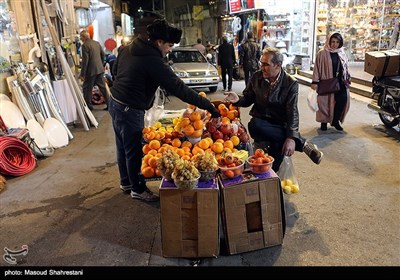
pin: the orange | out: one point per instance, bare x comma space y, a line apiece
184, 122
204, 144
146, 149
231, 107
221, 107
148, 172
146, 159
188, 130
176, 142
195, 116
231, 115
228, 144
197, 150
152, 162
146, 130
225, 120
186, 144
154, 144
180, 152
203, 94
210, 141
235, 140
152, 152
217, 147
197, 133
198, 124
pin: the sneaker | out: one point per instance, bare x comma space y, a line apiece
311, 150
125, 188
145, 196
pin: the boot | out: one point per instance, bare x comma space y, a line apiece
336, 124
324, 126
311, 150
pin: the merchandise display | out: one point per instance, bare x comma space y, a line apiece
365, 25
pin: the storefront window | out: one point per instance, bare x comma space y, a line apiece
366, 25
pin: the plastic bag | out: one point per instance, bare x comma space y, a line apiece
312, 100
156, 112
287, 175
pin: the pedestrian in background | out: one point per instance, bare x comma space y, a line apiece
92, 68
332, 61
226, 60
249, 55
273, 95
200, 47
140, 70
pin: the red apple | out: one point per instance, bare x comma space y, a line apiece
217, 135
225, 128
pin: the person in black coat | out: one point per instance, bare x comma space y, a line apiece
226, 59
139, 70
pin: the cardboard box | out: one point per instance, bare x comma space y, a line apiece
252, 212
189, 220
375, 62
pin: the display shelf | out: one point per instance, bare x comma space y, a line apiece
364, 28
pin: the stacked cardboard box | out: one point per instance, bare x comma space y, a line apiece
252, 210
382, 63
189, 220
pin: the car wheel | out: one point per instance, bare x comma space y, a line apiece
213, 89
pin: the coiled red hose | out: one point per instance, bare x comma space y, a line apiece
16, 158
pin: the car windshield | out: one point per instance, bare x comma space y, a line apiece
186, 57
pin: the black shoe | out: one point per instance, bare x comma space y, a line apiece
105, 109
324, 126
337, 126
311, 150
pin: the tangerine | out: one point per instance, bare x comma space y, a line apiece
148, 172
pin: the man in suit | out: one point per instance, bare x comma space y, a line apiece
92, 68
226, 59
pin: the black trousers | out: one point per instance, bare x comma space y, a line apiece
340, 103
274, 135
87, 88
224, 72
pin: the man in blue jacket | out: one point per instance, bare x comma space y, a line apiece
140, 70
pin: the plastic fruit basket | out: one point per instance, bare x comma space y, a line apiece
207, 175
186, 184
231, 172
258, 168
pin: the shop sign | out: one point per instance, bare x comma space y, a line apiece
237, 6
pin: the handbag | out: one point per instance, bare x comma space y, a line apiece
328, 86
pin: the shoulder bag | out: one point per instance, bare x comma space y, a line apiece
328, 86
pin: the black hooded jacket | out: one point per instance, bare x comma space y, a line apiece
140, 69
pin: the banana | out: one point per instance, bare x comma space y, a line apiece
242, 154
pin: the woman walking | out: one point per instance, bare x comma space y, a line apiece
332, 61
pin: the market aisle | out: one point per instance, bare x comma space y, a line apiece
70, 211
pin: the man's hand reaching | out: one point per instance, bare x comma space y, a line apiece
231, 97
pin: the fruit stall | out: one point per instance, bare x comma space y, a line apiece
207, 169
